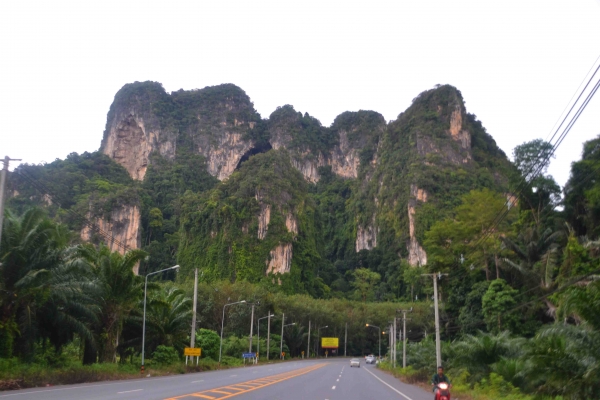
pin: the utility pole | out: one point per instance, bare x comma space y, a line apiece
308, 346
404, 335
346, 340
394, 346
193, 335
281, 345
438, 346
268, 335
390, 333
251, 326
6, 161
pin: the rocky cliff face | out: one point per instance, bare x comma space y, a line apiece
144, 119
123, 225
134, 130
220, 121
129, 143
390, 165
280, 259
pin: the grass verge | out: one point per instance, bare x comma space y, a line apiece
18, 375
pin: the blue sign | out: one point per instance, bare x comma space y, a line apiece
248, 355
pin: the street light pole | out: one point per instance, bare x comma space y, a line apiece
144, 320
319, 338
251, 326
268, 336
281, 347
308, 345
222, 326
345, 339
258, 324
373, 326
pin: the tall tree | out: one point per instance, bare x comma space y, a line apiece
41, 294
168, 319
582, 192
472, 232
119, 291
496, 303
365, 282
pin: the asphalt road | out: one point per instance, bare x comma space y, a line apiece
330, 379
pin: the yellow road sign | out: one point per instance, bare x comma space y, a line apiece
192, 351
330, 343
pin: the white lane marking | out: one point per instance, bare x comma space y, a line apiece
333, 388
231, 376
337, 380
340, 375
390, 386
130, 391
68, 388
201, 380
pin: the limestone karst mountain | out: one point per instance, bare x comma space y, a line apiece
213, 185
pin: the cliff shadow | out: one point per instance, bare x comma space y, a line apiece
256, 149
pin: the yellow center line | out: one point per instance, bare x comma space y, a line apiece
253, 385
218, 391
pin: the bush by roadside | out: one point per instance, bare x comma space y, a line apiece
18, 375
493, 387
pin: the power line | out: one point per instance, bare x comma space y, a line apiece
540, 166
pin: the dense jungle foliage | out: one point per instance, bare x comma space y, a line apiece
520, 296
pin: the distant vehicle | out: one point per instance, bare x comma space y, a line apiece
370, 360
355, 362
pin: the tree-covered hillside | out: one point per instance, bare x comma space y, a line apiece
335, 224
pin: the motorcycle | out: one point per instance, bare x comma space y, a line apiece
442, 391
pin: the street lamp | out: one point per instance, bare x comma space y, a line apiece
258, 323
222, 326
373, 326
319, 337
281, 345
144, 323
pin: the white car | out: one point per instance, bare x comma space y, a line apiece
355, 362
370, 360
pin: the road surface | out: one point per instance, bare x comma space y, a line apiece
330, 379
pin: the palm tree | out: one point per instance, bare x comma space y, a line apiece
564, 360
537, 254
118, 291
32, 249
479, 352
169, 316
295, 337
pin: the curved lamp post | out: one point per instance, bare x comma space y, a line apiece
258, 324
281, 344
319, 337
144, 323
222, 325
373, 326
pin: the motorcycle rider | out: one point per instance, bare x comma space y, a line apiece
438, 378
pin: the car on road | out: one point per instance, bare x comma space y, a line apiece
355, 362
370, 360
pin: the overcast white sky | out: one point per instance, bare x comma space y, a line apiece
517, 62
